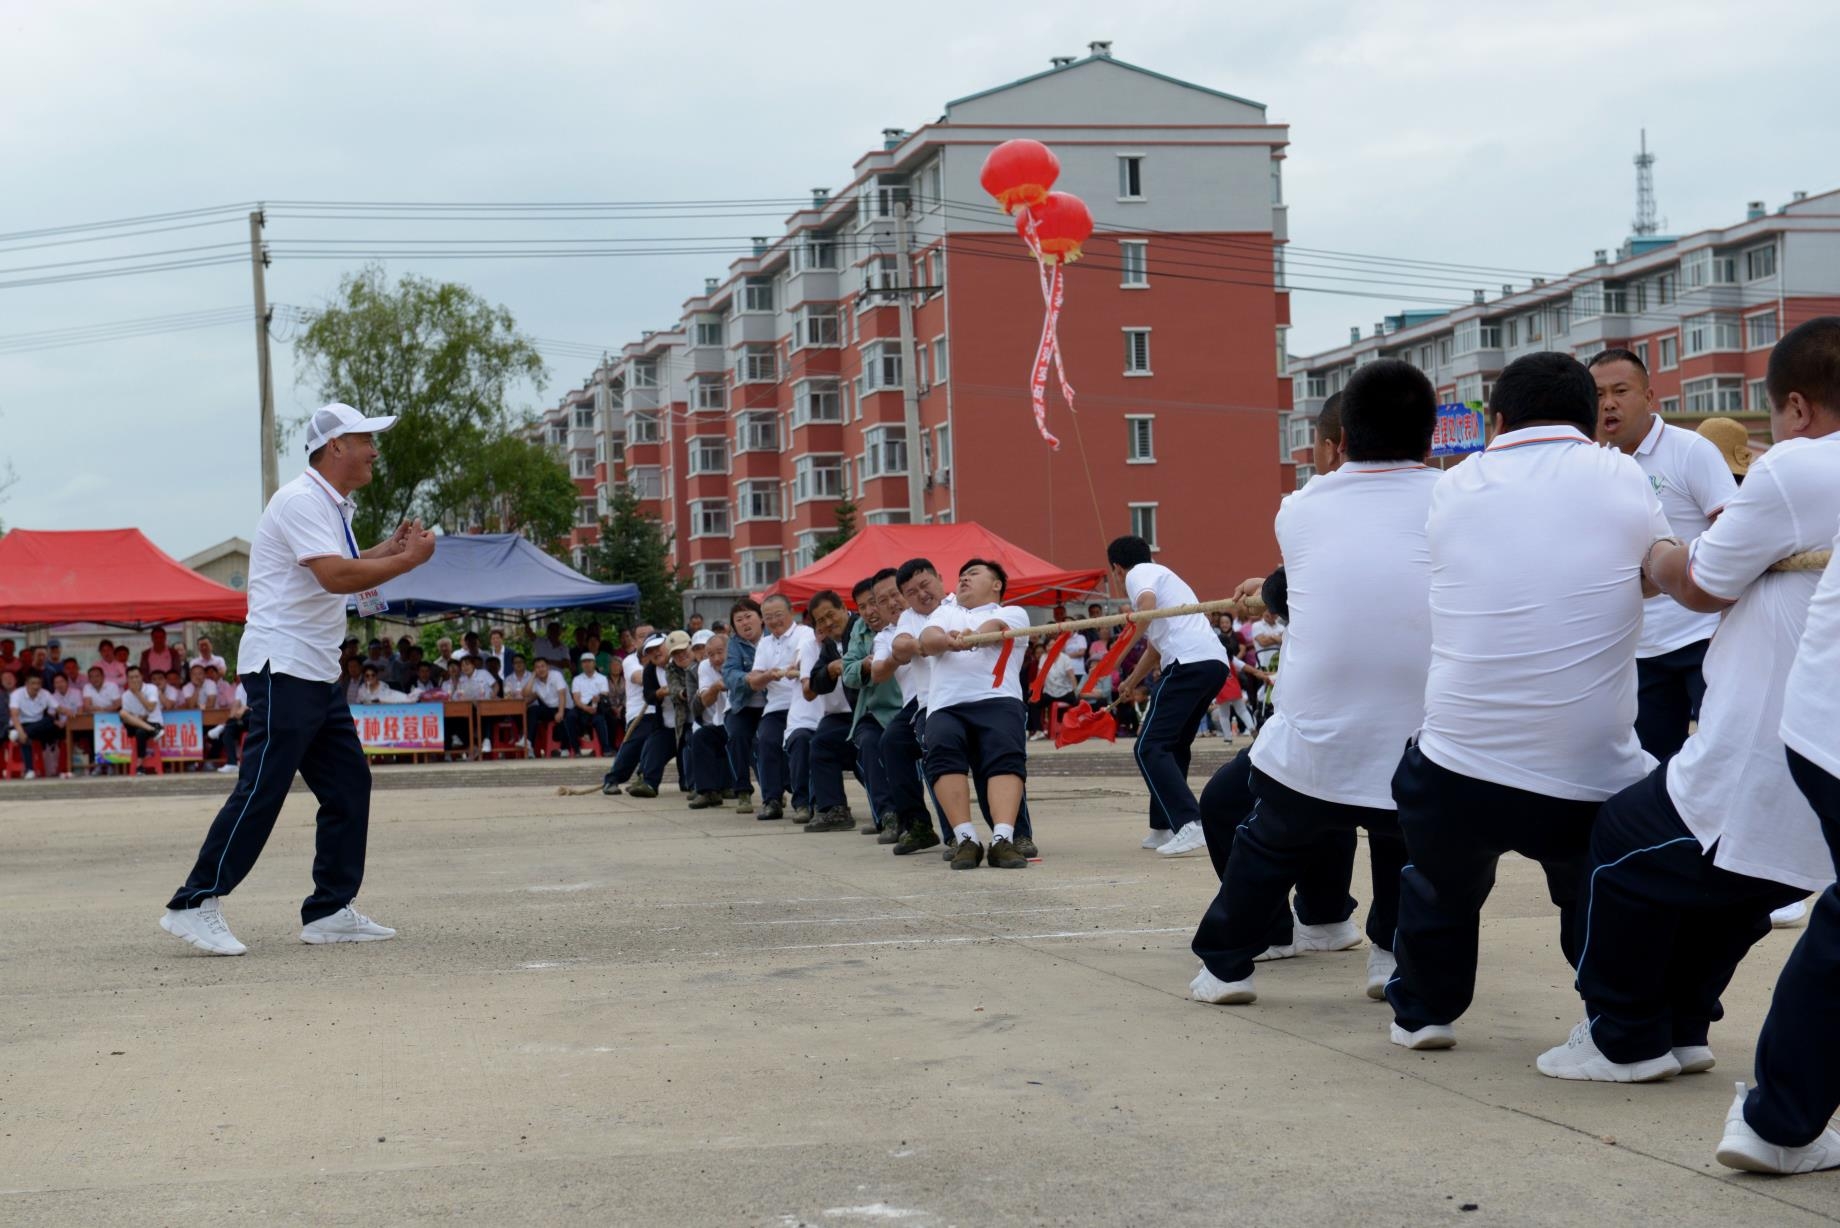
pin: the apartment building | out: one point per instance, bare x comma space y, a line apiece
575, 430
878, 349
1701, 310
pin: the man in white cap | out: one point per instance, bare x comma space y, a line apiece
303, 564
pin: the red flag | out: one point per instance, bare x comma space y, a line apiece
1041, 670
1109, 661
1002, 663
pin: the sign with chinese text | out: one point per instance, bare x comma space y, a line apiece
399, 729
1459, 430
181, 738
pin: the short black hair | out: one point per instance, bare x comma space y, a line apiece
912, 568
995, 568
1807, 360
1329, 421
1127, 552
886, 573
1389, 410
1617, 353
864, 585
1276, 593
315, 454
1545, 387
823, 596
745, 603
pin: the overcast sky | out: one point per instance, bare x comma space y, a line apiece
1480, 134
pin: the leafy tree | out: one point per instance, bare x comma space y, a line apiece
634, 548
845, 512
445, 361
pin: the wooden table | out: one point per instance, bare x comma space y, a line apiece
485, 710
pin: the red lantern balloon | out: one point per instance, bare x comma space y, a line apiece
1019, 172
1062, 224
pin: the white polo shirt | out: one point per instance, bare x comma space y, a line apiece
1731, 780
708, 674
1536, 607
779, 652
32, 707
550, 691
917, 673
1267, 652
1075, 651
586, 688
295, 626
105, 698
517, 686
1359, 642
961, 678
1811, 701
1692, 481
144, 703
806, 713
632, 669
69, 704
1178, 641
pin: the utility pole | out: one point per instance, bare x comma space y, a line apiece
264, 372
910, 393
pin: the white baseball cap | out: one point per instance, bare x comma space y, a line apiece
331, 421
701, 637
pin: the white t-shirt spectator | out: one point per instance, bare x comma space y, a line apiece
1075, 651
965, 677
144, 703
1536, 606
171, 696
587, 689
381, 693
517, 686
1179, 640
1275, 631
1731, 780
1811, 701
221, 664
69, 704
1359, 642
780, 652
479, 686
29, 707
106, 698
806, 713
1062, 680
295, 627
199, 695
1692, 481
550, 691
709, 674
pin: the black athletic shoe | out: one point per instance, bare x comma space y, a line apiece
770, 812
611, 790
802, 814
835, 819
968, 855
888, 835
1026, 847
915, 839
641, 790
703, 801
1003, 856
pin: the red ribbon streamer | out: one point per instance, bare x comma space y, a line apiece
1110, 660
1041, 670
1053, 294
1002, 663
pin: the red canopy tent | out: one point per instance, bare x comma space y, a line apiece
104, 576
1032, 580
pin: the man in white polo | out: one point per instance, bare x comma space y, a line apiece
1691, 480
303, 563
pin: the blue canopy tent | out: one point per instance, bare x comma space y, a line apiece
497, 573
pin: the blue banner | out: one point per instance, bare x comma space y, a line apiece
1459, 430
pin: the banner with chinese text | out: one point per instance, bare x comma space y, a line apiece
399, 729
181, 738
1459, 430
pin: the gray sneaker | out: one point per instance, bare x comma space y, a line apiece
745, 804
641, 790
837, 818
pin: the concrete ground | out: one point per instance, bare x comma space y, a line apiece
607, 1011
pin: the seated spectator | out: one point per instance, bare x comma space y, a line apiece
208, 656
169, 689
488, 665
34, 722
141, 714
229, 735
117, 671
99, 694
548, 696
430, 684
400, 673
218, 689
444, 655
372, 689
378, 653
54, 661
194, 694
73, 675
159, 657
474, 683
9, 657
588, 690
516, 682
353, 679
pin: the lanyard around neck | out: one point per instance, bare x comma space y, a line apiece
338, 508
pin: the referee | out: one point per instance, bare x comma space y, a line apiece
302, 566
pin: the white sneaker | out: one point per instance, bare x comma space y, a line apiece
31, 775
1695, 1059
1789, 917
1206, 987
456, 742
12, 735
1156, 839
485, 746
1580, 1058
204, 927
1431, 1036
345, 925
229, 767
1191, 839
1742, 1147
1380, 968
215, 732
1338, 937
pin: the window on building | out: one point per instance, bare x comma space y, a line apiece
1277, 181
815, 400
1130, 176
1706, 333
712, 575
1760, 262
815, 326
1667, 288
1760, 330
819, 251
1300, 432
817, 477
757, 500
760, 568
1467, 338
881, 365
647, 482
1714, 395
1143, 523
942, 453
1641, 351
889, 516
1137, 351
559, 434
1469, 388
709, 518
642, 428
805, 549
1759, 391
585, 513
936, 268
1304, 474
711, 392
1443, 351
584, 417
709, 331
757, 431
708, 454
757, 294
1670, 405
757, 364
581, 465
939, 360
1140, 438
884, 451
1134, 259
1670, 351
643, 375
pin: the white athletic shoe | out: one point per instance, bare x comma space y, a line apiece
1206, 987
485, 746
1742, 1147
1338, 937
1380, 968
1580, 1058
204, 927
1191, 839
1271, 953
345, 925
12, 735
1156, 839
1431, 1036
1695, 1059
31, 775
1789, 917
229, 767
